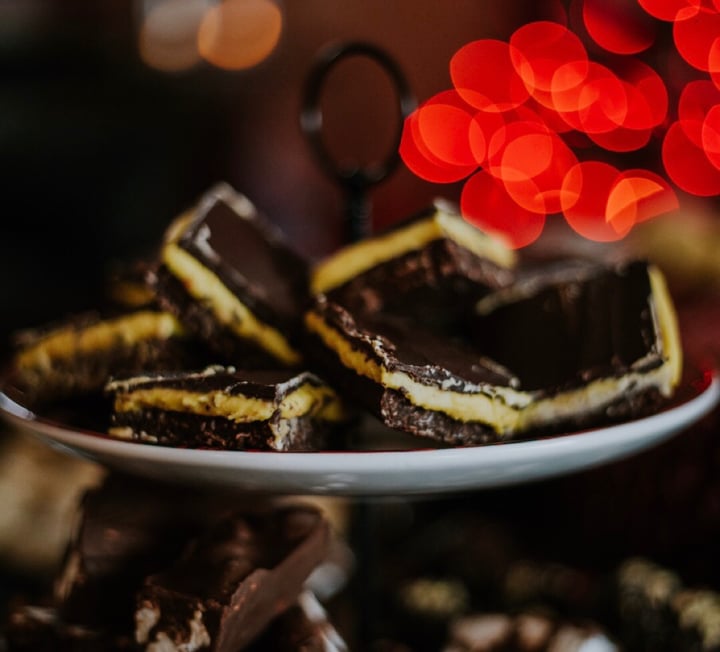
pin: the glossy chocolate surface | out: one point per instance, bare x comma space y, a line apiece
250, 258
572, 323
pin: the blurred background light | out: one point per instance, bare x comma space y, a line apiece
167, 39
239, 34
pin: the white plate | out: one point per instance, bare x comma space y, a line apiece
381, 473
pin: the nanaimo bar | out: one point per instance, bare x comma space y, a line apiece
227, 274
222, 408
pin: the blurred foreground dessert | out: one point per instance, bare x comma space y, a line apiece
160, 567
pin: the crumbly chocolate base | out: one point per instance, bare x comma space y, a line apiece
184, 430
228, 347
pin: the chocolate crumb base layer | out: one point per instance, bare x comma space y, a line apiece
200, 320
221, 407
182, 430
232, 582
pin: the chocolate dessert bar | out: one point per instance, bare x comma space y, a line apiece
304, 627
79, 356
228, 275
471, 391
224, 408
413, 379
421, 266
232, 581
585, 338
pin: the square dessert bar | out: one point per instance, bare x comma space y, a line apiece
231, 279
429, 266
227, 409
470, 390
584, 337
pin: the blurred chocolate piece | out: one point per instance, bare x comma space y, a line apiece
304, 627
525, 632
127, 529
645, 594
224, 408
40, 629
697, 613
429, 267
228, 275
658, 612
232, 581
77, 357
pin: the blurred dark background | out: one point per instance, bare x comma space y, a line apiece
103, 142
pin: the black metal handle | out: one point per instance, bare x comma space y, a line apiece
355, 180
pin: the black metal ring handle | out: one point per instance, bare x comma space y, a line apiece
355, 180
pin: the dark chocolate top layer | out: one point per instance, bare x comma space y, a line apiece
402, 345
263, 383
571, 323
250, 257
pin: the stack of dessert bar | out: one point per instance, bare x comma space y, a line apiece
434, 327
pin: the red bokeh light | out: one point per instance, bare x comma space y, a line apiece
598, 105
710, 135
648, 98
695, 36
696, 99
511, 103
500, 91
586, 190
637, 196
486, 204
685, 161
539, 50
421, 161
443, 123
482, 128
618, 26
671, 10
531, 161
714, 61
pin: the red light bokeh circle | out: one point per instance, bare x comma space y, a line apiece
485, 203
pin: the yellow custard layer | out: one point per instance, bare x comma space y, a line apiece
127, 330
318, 401
205, 286
366, 254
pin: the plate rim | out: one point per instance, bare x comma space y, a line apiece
636, 435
